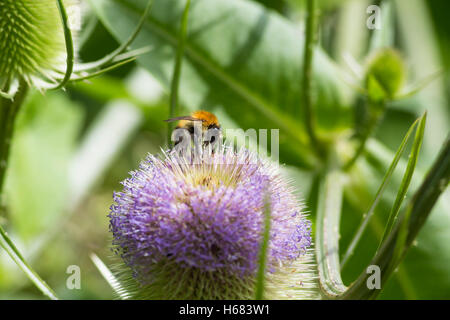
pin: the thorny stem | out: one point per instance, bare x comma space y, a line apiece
69, 44
9, 110
8, 113
177, 69
310, 119
372, 123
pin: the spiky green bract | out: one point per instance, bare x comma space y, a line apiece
385, 74
297, 281
32, 45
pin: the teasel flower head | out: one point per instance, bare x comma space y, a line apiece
190, 228
32, 44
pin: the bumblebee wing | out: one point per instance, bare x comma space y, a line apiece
183, 118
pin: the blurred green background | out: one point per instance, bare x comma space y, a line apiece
71, 149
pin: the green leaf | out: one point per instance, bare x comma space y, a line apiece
424, 272
401, 194
103, 71
329, 209
414, 217
238, 56
7, 244
367, 216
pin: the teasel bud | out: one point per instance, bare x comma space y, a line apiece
38, 45
385, 75
32, 43
186, 229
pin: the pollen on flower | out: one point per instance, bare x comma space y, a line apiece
206, 220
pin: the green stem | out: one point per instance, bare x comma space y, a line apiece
13, 252
261, 275
372, 123
111, 58
310, 119
177, 69
69, 45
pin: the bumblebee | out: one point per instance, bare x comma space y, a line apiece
209, 124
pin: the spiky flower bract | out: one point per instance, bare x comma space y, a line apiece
32, 45
192, 229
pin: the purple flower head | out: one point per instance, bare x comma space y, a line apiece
206, 216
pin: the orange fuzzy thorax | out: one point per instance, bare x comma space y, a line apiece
208, 119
